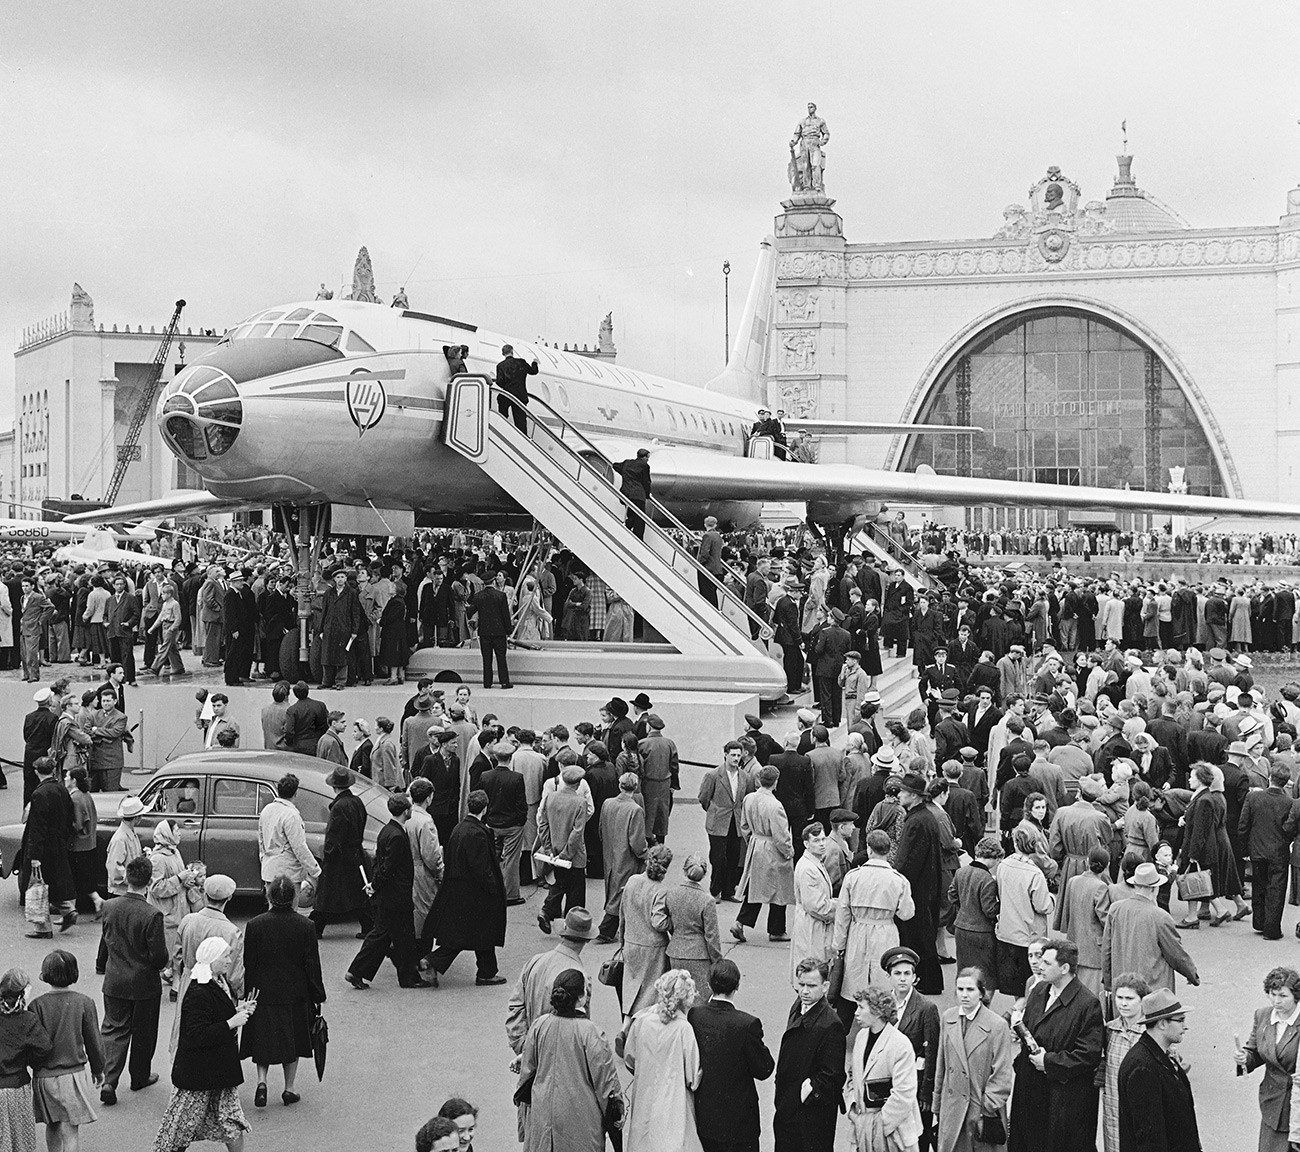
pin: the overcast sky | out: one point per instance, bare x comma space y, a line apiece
531, 167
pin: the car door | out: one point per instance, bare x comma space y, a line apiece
230, 830
180, 801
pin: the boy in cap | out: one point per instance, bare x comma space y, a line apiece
838, 857
854, 683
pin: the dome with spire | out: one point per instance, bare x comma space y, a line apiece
1130, 209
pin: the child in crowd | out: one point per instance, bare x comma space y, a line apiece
63, 1091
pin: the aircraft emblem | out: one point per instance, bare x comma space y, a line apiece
367, 402
608, 413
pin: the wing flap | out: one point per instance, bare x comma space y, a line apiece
190, 503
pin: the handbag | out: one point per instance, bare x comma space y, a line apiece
836, 978
1195, 884
991, 1130
36, 905
611, 971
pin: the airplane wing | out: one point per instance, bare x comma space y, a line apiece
867, 428
684, 476
188, 503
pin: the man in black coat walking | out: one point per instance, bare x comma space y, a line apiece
493, 611
47, 842
810, 1068
920, 859
1156, 1109
238, 625
732, 1056
38, 735
343, 885
636, 488
469, 912
393, 932
512, 376
1263, 838
132, 952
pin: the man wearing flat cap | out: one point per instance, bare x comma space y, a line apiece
659, 776
1156, 1109
197, 926
765, 747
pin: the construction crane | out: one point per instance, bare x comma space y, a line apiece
143, 406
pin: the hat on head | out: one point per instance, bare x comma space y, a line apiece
578, 925
1116, 719
1161, 1005
752, 720
1091, 787
871, 696
617, 706
1245, 661
41, 695
132, 807
899, 955
843, 816
1217, 654
885, 758
218, 887
341, 777
1147, 875
950, 696
966, 752
642, 701
1247, 725
913, 782
571, 773
1239, 748
1134, 660
806, 715
655, 722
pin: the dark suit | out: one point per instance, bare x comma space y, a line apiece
393, 933
123, 617
1264, 840
512, 378
1056, 1110
811, 1049
470, 909
919, 857
132, 951
950, 737
826, 653
896, 613
305, 722
636, 490
980, 728
732, 1057
796, 789
785, 622
966, 815
493, 611
238, 614
1156, 1109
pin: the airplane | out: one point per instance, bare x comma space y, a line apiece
52, 531
99, 547
341, 402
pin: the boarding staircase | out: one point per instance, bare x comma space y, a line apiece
877, 541
565, 483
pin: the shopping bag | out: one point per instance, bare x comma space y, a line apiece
1195, 884
36, 906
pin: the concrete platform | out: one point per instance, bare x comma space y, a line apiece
699, 722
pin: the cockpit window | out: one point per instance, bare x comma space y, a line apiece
275, 315
258, 330
321, 318
327, 334
198, 378
284, 331
298, 314
356, 344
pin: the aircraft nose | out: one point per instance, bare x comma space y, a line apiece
200, 412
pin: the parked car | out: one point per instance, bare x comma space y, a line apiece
212, 799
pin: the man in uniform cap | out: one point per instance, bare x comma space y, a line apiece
918, 1020
950, 734
38, 735
973, 778
658, 778
764, 746
919, 857
1156, 1109
197, 926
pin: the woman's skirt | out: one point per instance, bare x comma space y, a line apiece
200, 1114
17, 1120
65, 1099
699, 972
868, 1132
642, 966
978, 950
277, 1034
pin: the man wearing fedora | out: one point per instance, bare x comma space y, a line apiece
641, 708
920, 858
531, 996
1141, 937
1156, 1109
785, 623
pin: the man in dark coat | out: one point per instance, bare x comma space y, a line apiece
636, 488
493, 611
132, 953
47, 841
1054, 1104
810, 1066
305, 722
795, 788
512, 376
393, 932
238, 626
1156, 1109
1183, 610
918, 1020
469, 913
920, 858
963, 654
785, 622
343, 883
896, 612
927, 633
1262, 837
826, 652
950, 733
732, 1057
341, 623
981, 719
938, 677
38, 735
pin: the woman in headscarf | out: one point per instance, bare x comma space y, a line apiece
664, 1058
532, 620
169, 892
568, 1089
206, 1072
1206, 844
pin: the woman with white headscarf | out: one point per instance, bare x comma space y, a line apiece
206, 1072
169, 893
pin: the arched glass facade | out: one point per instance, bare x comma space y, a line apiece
1064, 398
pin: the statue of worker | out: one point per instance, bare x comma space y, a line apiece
810, 137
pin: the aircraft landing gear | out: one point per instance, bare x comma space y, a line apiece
310, 524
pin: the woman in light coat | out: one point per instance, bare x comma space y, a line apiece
973, 1074
169, 893
664, 1058
693, 920
886, 1122
532, 620
643, 930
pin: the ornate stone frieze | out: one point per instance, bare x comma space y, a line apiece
799, 350
810, 266
800, 305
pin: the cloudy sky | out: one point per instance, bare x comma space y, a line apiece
531, 167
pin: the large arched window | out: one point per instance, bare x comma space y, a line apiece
1065, 398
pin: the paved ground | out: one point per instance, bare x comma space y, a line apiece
397, 1055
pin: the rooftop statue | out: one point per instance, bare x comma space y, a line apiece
83, 308
324, 293
807, 160
400, 300
363, 279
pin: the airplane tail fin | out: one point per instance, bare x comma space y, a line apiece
743, 376
145, 529
99, 540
